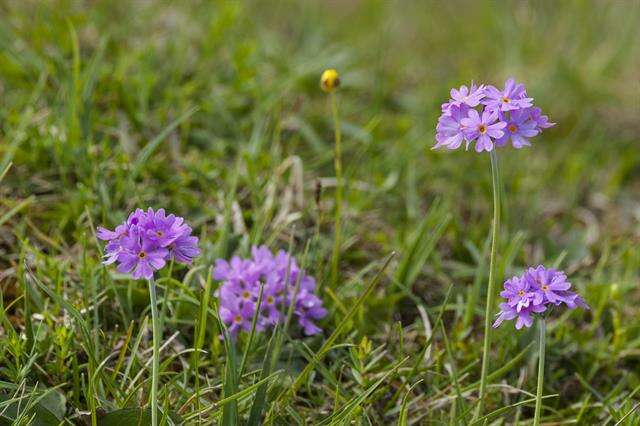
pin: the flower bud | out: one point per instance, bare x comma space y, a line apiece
330, 80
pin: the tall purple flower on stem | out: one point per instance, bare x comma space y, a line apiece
492, 117
537, 290
277, 275
142, 245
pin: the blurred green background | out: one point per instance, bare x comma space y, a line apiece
210, 107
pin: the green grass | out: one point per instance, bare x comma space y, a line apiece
213, 111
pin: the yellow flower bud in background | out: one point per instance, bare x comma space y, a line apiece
330, 80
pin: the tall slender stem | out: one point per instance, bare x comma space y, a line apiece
335, 257
495, 179
541, 350
155, 327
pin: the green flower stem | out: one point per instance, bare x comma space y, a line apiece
541, 350
156, 352
335, 256
495, 179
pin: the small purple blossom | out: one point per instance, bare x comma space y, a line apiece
524, 317
553, 286
277, 275
483, 129
490, 117
163, 230
532, 293
542, 121
470, 97
512, 97
140, 257
184, 248
450, 131
520, 294
146, 241
519, 128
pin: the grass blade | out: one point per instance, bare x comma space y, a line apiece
403, 417
343, 323
343, 414
259, 401
149, 148
429, 232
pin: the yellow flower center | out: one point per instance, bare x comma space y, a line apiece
521, 293
506, 100
238, 319
246, 294
482, 129
270, 299
142, 255
545, 288
512, 128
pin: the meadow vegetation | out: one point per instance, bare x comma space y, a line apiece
213, 111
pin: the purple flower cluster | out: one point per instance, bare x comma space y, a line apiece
146, 240
241, 281
534, 291
490, 117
